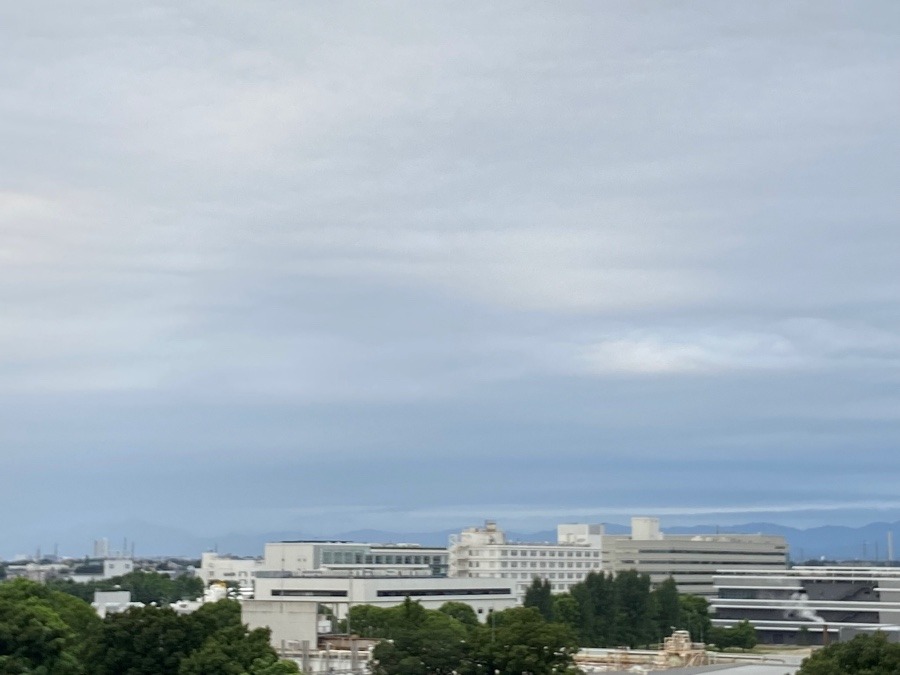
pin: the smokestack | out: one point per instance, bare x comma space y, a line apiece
890, 551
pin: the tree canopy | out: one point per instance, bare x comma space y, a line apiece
47, 632
863, 655
145, 587
451, 640
41, 630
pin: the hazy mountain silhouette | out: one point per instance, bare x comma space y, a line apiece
869, 542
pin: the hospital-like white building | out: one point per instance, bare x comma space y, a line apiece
580, 549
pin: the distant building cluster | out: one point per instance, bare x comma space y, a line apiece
104, 564
580, 549
286, 588
298, 589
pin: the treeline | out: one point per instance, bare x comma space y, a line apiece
611, 610
145, 587
863, 655
43, 630
451, 640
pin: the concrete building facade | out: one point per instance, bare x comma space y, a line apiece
802, 604
299, 557
215, 567
485, 553
582, 548
288, 604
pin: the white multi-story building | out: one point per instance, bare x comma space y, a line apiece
581, 549
344, 556
485, 553
288, 605
242, 571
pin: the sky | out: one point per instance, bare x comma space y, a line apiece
409, 266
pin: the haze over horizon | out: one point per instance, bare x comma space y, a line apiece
406, 266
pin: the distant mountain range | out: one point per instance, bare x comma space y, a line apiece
869, 542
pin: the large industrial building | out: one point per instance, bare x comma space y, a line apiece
803, 605
582, 548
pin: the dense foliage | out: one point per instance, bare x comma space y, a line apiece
863, 655
451, 640
42, 631
47, 632
145, 587
608, 610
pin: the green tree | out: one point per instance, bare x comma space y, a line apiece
863, 655
634, 620
235, 651
519, 640
34, 639
143, 641
566, 610
540, 596
424, 643
667, 608
212, 617
145, 587
369, 621
36, 614
694, 617
461, 612
741, 635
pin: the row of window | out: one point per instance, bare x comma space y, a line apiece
356, 558
536, 553
699, 552
551, 575
295, 593
421, 593
535, 565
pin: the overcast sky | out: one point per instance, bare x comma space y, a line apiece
410, 265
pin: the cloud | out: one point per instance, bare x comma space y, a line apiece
795, 344
426, 232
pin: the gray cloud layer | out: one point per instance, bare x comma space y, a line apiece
279, 259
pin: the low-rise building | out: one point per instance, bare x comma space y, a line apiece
802, 604
300, 557
288, 604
